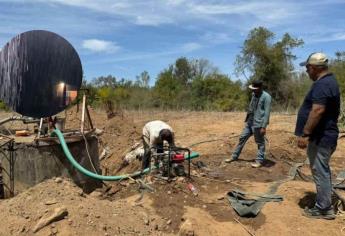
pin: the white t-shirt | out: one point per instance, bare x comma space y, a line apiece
151, 131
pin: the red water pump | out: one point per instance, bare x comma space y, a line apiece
177, 158
172, 160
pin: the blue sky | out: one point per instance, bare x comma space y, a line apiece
126, 37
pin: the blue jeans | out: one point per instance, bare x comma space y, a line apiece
319, 164
259, 139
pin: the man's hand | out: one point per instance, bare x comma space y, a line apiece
302, 142
263, 131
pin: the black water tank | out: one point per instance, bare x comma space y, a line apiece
40, 73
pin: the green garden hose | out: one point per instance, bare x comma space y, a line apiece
88, 173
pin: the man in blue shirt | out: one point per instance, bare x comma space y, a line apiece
317, 130
257, 119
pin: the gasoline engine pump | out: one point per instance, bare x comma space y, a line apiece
171, 160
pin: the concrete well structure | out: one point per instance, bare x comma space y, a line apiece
35, 160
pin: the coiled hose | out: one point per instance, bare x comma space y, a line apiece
88, 173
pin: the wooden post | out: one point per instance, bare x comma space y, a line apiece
83, 114
40, 128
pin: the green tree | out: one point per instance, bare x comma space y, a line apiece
202, 68
217, 92
268, 61
337, 66
107, 97
183, 71
105, 81
166, 89
143, 79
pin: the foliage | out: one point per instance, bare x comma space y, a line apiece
143, 79
167, 89
337, 66
217, 92
3, 106
268, 61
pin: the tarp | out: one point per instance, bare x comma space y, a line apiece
250, 204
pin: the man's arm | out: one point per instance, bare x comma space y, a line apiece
172, 144
267, 115
314, 117
267, 112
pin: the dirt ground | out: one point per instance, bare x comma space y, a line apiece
122, 208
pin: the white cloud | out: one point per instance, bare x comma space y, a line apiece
332, 35
188, 47
217, 37
339, 36
175, 2
97, 45
266, 11
152, 20
232, 12
138, 12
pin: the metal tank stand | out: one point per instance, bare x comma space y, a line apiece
8, 146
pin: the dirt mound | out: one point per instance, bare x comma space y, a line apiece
119, 134
86, 214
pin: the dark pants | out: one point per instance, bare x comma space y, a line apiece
147, 153
319, 164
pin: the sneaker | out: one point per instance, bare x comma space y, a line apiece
256, 164
316, 213
229, 160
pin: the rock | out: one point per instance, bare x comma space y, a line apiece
124, 184
169, 222
58, 214
156, 227
54, 231
180, 179
58, 180
195, 173
98, 131
204, 206
146, 221
22, 230
50, 202
95, 194
169, 192
187, 229
81, 193
220, 197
